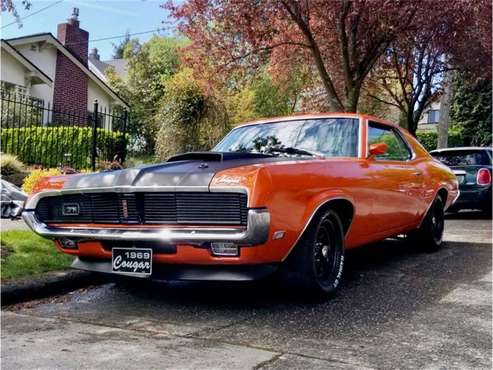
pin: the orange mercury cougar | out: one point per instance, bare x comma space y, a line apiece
284, 195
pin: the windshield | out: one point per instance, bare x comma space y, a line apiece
463, 158
330, 137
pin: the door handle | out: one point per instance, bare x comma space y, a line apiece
417, 173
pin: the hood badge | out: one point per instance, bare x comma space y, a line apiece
203, 165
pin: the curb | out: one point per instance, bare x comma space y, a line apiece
46, 285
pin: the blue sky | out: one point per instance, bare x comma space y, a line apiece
100, 18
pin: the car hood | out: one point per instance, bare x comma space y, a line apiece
184, 170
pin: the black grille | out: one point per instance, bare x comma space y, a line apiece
147, 208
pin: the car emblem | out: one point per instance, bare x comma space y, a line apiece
125, 208
229, 180
70, 209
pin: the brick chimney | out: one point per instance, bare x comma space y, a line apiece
93, 54
70, 88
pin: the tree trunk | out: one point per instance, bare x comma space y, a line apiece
353, 95
412, 123
403, 122
445, 103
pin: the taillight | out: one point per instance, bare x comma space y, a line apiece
483, 177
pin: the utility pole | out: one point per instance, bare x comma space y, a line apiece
445, 104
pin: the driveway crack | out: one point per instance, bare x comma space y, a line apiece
263, 364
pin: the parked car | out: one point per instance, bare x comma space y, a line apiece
472, 166
284, 194
12, 200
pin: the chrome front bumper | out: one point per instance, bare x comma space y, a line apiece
256, 232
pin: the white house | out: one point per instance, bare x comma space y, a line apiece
55, 70
19, 73
430, 117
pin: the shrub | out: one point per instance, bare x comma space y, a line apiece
10, 165
139, 160
52, 146
429, 139
35, 176
190, 119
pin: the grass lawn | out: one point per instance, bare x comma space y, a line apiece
24, 253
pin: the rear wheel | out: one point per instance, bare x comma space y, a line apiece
429, 235
316, 264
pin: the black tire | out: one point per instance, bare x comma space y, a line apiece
429, 236
316, 264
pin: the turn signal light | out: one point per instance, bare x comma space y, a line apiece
483, 177
224, 249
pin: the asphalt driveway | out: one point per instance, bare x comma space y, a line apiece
398, 308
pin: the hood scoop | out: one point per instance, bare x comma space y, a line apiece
216, 156
197, 156
194, 169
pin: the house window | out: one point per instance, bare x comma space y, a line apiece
433, 116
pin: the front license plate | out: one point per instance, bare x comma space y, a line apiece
134, 261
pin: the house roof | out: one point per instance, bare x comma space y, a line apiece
101, 66
25, 62
49, 38
119, 65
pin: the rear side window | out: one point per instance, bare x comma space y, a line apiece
397, 149
463, 158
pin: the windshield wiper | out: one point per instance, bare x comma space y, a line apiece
292, 150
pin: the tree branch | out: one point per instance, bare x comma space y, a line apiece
334, 100
384, 101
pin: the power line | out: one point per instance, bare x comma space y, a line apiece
127, 34
34, 13
111, 37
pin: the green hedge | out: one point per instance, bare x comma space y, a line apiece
48, 146
429, 139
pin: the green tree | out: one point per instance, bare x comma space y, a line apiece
471, 109
269, 100
262, 97
149, 68
119, 47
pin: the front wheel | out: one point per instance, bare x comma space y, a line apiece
316, 264
429, 235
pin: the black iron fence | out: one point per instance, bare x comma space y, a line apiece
41, 135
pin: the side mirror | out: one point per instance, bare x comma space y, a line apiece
377, 149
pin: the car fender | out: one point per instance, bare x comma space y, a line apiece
451, 198
314, 205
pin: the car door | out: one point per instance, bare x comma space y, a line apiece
397, 182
